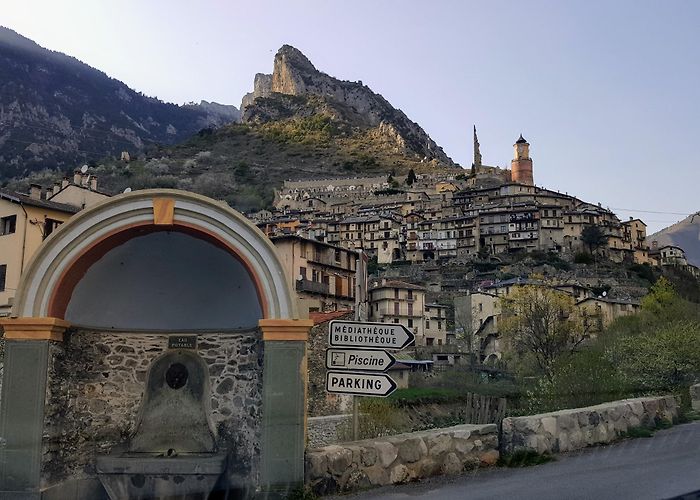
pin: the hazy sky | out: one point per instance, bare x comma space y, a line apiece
606, 92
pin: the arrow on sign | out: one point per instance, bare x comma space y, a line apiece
371, 360
369, 335
361, 384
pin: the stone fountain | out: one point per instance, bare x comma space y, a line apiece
172, 453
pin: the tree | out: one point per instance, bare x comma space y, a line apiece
593, 237
661, 295
543, 322
411, 178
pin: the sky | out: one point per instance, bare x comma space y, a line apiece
606, 92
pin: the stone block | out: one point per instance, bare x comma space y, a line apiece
695, 396
339, 460
377, 475
463, 446
387, 453
489, 457
452, 465
399, 474
549, 425
316, 465
413, 449
369, 456
439, 444
567, 422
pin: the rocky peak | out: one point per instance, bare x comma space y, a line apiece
294, 74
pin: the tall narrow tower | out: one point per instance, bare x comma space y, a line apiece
521, 166
477, 153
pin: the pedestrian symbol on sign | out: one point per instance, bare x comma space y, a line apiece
338, 359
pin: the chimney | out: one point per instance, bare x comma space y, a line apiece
65, 182
93, 183
56, 187
35, 191
77, 177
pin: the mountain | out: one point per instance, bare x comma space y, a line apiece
351, 104
306, 131
684, 234
56, 111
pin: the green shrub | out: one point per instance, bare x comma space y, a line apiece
583, 258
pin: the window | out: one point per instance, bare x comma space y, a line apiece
429, 341
439, 325
396, 308
410, 309
302, 272
427, 324
439, 341
410, 323
3, 273
396, 320
8, 224
410, 294
396, 293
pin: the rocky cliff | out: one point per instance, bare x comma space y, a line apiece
351, 102
56, 111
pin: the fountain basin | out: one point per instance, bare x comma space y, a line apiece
141, 476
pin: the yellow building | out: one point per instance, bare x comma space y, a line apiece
599, 312
324, 275
399, 302
25, 222
435, 324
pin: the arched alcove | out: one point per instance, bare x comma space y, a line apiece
165, 280
161, 261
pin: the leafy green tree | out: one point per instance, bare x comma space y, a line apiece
661, 296
542, 322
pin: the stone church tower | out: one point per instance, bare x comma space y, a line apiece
521, 166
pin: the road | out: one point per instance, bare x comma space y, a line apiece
664, 466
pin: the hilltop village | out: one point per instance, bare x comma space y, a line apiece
439, 248
449, 215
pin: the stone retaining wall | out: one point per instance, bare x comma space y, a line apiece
567, 430
322, 431
401, 458
695, 396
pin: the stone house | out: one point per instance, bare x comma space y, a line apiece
399, 302
599, 312
324, 275
435, 324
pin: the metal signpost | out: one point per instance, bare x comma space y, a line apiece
358, 357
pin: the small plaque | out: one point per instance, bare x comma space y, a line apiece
182, 342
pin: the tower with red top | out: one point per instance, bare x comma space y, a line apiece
521, 165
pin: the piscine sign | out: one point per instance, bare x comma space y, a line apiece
390, 336
371, 360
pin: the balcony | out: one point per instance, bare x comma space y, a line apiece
312, 287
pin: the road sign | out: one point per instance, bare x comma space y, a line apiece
369, 335
372, 360
361, 384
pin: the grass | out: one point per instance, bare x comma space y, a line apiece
524, 458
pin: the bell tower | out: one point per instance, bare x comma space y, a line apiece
521, 166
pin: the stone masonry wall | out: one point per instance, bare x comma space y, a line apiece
401, 458
96, 382
568, 430
695, 397
319, 401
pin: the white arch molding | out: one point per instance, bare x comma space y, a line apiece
64, 248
